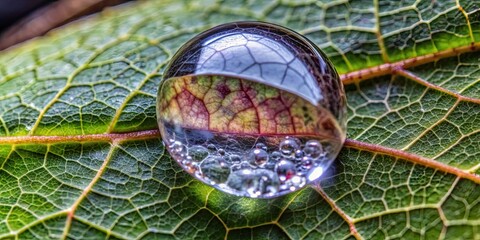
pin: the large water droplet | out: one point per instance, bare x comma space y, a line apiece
252, 109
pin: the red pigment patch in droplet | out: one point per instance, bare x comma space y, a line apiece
289, 175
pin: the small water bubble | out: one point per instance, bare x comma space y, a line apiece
275, 156
234, 158
313, 149
212, 147
270, 165
258, 157
221, 151
306, 163
285, 170
289, 146
261, 146
198, 153
215, 169
299, 154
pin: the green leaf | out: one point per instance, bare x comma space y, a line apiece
81, 157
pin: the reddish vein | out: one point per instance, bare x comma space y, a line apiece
412, 158
71, 211
149, 134
411, 76
343, 215
388, 68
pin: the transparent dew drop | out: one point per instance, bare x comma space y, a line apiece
215, 169
299, 154
275, 156
306, 163
270, 165
261, 146
212, 147
285, 170
272, 160
258, 157
313, 149
289, 146
221, 152
243, 125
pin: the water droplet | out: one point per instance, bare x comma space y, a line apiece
221, 151
285, 170
212, 147
261, 146
258, 157
289, 146
299, 154
313, 149
275, 156
246, 126
306, 163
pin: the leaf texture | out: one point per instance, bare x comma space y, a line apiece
81, 157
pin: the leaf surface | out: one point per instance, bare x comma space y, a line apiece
81, 157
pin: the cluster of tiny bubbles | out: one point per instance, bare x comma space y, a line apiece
265, 170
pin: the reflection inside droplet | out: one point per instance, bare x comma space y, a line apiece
255, 141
